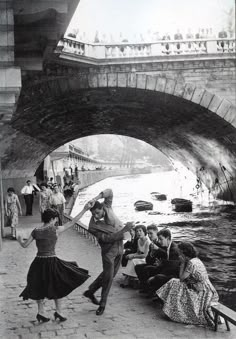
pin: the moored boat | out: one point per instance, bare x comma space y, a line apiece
158, 196
182, 205
142, 205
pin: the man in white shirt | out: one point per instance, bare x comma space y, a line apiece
27, 191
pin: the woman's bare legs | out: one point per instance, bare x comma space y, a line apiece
57, 314
40, 306
40, 316
58, 305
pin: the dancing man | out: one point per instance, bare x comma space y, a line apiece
109, 231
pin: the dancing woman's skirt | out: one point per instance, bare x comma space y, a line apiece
53, 278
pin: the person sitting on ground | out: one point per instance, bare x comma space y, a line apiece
168, 268
189, 299
130, 246
138, 257
153, 260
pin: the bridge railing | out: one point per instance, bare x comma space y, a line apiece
140, 50
82, 229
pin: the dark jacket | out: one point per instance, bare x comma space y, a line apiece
171, 266
159, 254
131, 245
108, 231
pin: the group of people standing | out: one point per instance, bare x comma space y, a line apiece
173, 272
49, 196
150, 36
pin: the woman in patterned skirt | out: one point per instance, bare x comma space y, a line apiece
188, 299
50, 277
12, 210
44, 198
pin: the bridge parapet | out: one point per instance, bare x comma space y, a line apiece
95, 52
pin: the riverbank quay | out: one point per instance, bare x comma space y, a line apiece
90, 177
128, 314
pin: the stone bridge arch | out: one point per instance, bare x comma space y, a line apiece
186, 122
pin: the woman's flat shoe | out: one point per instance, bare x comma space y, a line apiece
60, 317
41, 318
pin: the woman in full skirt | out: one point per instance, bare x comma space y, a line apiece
49, 276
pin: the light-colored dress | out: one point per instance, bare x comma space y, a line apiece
12, 210
44, 202
129, 270
189, 301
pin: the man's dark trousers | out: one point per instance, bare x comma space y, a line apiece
29, 203
144, 272
111, 261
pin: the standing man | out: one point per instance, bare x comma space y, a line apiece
57, 201
109, 232
27, 191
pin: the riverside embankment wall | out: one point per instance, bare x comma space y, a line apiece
88, 178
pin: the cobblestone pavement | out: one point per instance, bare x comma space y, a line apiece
128, 314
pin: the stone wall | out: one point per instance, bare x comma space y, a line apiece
91, 177
88, 178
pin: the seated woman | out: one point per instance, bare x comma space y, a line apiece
130, 246
154, 259
138, 257
188, 299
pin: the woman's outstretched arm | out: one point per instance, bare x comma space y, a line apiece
71, 223
25, 243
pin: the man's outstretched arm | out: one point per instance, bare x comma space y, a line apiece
110, 238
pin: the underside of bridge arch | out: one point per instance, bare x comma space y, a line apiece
51, 113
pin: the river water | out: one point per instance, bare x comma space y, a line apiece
210, 227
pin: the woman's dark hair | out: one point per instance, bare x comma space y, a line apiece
43, 185
143, 227
95, 206
49, 214
152, 227
165, 232
10, 189
188, 249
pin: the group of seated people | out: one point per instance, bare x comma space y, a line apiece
171, 273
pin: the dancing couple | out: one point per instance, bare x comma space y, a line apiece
53, 278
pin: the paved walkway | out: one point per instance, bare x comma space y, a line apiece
128, 314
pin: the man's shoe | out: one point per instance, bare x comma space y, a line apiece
100, 310
91, 296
